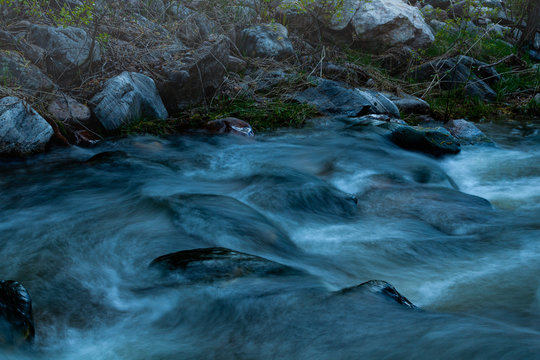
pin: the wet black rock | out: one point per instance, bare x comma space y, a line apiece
381, 288
16, 320
435, 141
218, 263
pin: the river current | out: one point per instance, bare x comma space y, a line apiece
458, 236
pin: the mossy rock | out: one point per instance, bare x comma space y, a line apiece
434, 141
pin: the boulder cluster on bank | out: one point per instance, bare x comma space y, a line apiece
64, 84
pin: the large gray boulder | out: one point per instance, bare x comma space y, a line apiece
16, 72
192, 77
127, 97
381, 24
377, 24
22, 130
330, 97
265, 41
67, 49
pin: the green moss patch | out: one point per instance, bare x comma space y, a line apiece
264, 115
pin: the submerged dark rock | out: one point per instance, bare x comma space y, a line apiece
16, 320
107, 157
381, 288
435, 141
447, 210
218, 263
227, 222
301, 195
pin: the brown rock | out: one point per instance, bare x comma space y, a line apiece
70, 112
230, 125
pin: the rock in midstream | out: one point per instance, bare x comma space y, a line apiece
381, 288
435, 141
218, 263
16, 320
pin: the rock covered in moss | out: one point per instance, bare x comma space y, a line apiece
435, 141
16, 319
22, 130
266, 41
127, 97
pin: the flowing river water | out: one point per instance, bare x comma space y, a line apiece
79, 228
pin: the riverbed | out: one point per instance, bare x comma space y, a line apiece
457, 236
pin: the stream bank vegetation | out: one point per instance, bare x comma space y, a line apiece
134, 35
